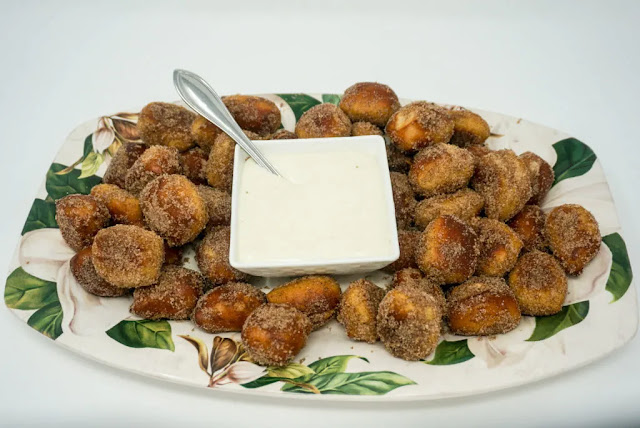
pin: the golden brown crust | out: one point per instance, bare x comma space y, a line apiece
397, 160
274, 334
204, 133
194, 165
369, 101
499, 247
166, 124
539, 284
407, 240
316, 296
403, 199
418, 125
322, 121
282, 134
218, 205
120, 163
409, 322
79, 218
358, 310
469, 128
174, 209
81, 265
255, 114
364, 128
219, 167
482, 306
447, 250
503, 181
227, 307
529, 225
573, 236
405, 276
478, 150
541, 175
464, 204
153, 163
128, 256
212, 255
174, 296
441, 168
124, 208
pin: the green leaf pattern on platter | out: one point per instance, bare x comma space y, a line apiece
48, 320
41, 215
553, 324
335, 364
362, 383
143, 334
90, 164
574, 158
26, 292
331, 98
299, 103
449, 353
620, 275
59, 186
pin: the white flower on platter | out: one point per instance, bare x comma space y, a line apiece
104, 135
44, 254
239, 372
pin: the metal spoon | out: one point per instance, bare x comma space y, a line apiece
201, 97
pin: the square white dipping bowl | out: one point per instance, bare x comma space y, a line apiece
372, 145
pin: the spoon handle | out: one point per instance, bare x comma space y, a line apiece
201, 97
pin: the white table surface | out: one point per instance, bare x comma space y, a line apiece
572, 66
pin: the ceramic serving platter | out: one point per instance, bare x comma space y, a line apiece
599, 315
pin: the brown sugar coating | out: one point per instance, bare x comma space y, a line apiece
397, 160
316, 296
441, 168
166, 124
226, 308
174, 297
464, 204
529, 225
153, 163
541, 175
370, 102
212, 256
128, 256
323, 121
194, 165
83, 271
79, 218
407, 240
123, 207
403, 199
364, 128
123, 159
172, 255
406, 276
478, 150
219, 167
482, 306
204, 133
255, 114
274, 334
358, 310
539, 284
573, 236
418, 125
447, 251
468, 127
174, 209
218, 205
499, 247
282, 134
409, 322
503, 181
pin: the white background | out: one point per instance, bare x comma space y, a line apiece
574, 66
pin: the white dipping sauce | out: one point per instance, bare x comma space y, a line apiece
329, 205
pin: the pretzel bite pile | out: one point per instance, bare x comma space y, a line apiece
476, 250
